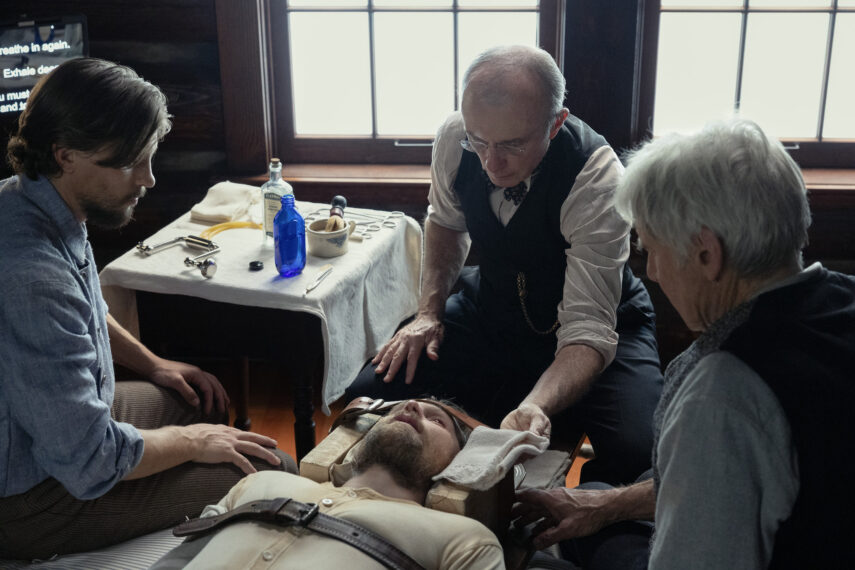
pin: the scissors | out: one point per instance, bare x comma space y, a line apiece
372, 223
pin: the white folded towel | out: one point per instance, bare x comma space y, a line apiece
227, 202
489, 454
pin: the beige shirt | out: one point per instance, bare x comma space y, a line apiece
433, 538
599, 237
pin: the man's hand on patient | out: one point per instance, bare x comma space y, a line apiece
169, 446
424, 333
215, 443
183, 377
566, 513
528, 417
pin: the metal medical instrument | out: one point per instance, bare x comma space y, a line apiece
195, 242
206, 264
366, 224
320, 276
372, 223
386, 220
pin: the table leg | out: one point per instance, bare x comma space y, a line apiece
242, 419
304, 410
306, 369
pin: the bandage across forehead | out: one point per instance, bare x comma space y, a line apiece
463, 423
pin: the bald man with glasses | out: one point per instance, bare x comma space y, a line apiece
551, 333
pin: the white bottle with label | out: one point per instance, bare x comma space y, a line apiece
272, 192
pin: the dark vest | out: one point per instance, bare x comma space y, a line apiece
801, 341
531, 243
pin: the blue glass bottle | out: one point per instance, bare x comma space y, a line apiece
289, 237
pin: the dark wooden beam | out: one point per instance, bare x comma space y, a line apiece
246, 87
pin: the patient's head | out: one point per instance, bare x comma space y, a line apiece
415, 440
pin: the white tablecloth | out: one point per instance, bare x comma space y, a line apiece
371, 289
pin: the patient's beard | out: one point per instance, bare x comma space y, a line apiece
398, 449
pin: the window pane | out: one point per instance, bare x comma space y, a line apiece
497, 3
479, 31
702, 3
415, 73
846, 3
327, 3
413, 3
789, 3
782, 74
840, 105
330, 71
696, 70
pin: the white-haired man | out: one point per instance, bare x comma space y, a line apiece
552, 333
750, 466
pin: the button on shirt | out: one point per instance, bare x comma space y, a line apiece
589, 221
56, 370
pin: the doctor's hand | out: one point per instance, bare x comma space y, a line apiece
182, 377
528, 417
424, 333
566, 513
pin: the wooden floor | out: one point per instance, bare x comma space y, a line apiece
272, 413
271, 407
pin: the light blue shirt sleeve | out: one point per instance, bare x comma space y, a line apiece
728, 468
56, 379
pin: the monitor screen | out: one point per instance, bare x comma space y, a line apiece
31, 48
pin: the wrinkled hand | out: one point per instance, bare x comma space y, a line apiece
528, 417
566, 513
407, 344
181, 377
214, 443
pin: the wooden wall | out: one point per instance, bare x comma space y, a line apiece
173, 44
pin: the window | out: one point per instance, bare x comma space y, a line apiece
784, 63
371, 80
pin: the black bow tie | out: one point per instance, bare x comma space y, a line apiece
516, 193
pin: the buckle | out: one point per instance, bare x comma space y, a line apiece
295, 513
306, 516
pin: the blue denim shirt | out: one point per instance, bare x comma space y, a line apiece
56, 369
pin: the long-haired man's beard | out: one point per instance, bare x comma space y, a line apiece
109, 218
398, 448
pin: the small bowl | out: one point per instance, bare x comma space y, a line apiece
327, 244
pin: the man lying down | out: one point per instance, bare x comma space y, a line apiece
386, 495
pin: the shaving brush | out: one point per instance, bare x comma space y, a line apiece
336, 219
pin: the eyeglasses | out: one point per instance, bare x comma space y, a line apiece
479, 147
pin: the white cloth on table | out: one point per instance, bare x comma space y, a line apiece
489, 454
227, 202
372, 288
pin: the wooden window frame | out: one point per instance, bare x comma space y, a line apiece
257, 97
808, 153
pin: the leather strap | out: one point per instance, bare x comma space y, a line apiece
288, 512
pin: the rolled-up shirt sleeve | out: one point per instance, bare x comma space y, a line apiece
599, 247
53, 377
444, 206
